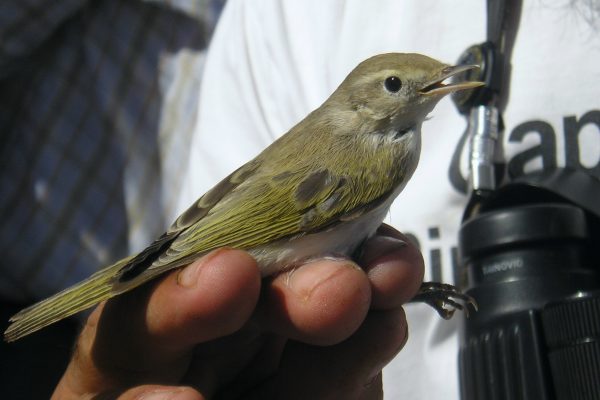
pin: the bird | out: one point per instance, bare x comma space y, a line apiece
322, 188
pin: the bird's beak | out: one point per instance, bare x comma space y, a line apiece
438, 87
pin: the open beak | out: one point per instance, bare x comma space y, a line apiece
438, 87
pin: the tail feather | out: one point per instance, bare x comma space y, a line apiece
95, 289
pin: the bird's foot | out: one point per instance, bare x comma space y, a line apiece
444, 298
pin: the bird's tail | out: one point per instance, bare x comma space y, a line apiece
96, 288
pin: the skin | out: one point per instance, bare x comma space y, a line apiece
216, 330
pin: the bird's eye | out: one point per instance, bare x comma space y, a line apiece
392, 84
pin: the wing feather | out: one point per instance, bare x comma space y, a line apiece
258, 211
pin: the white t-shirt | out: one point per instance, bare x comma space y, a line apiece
271, 62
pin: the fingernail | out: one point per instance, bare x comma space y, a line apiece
380, 246
386, 230
188, 276
405, 338
166, 394
373, 380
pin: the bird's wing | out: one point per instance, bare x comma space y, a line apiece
258, 211
195, 213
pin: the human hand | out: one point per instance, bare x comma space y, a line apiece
215, 330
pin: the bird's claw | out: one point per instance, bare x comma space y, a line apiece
445, 299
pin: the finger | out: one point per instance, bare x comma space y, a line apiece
236, 366
148, 334
321, 302
394, 266
210, 298
348, 370
373, 390
155, 392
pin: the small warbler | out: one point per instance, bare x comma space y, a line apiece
321, 189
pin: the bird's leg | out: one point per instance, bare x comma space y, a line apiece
444, 298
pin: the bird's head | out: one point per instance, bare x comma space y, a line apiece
398, 90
